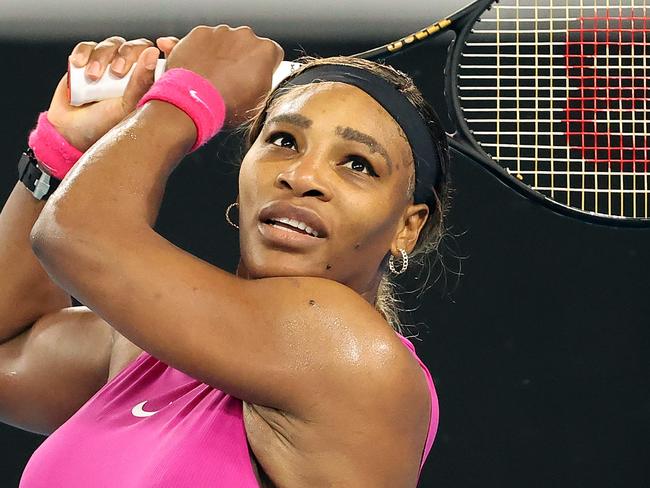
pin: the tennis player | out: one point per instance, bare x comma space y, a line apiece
291, 373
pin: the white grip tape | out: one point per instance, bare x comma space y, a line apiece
83, 90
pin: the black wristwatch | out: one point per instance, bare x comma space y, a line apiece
34, 177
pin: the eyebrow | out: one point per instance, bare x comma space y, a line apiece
292, 118
351, 134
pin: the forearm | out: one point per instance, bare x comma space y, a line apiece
115, 190
26, 291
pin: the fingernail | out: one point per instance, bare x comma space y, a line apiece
118, 65
74, 59
93, 69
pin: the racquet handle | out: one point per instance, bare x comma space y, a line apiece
81, 90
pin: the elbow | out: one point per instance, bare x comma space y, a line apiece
61, 253
53, 234
42, 237
71, 255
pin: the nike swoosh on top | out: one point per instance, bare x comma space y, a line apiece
196, 97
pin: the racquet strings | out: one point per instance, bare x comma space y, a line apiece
556, 92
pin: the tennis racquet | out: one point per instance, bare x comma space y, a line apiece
552, 97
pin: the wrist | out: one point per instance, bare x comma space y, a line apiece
80, 138
195, 96
51, 149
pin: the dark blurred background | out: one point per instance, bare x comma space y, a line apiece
537, 339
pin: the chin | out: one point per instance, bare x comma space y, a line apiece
279, 263
276, 252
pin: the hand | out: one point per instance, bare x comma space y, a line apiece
237, 62
83, 126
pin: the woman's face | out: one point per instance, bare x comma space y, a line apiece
331, 158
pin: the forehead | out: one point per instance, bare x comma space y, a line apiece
330, 105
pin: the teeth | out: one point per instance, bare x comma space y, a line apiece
297, 224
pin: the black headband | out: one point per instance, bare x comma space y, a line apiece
425, 154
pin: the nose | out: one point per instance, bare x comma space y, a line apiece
306, 177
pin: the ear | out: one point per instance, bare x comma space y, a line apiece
412, 222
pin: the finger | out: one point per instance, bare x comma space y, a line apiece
81, 53
102, 55
127, 54
243, 29
141, 79
166, 44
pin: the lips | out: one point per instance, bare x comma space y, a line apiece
282, 214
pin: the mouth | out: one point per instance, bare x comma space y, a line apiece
292, 225
282, 235
285, 224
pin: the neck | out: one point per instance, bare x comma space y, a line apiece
367, 290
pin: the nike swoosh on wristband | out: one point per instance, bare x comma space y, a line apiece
196, 97
138, 411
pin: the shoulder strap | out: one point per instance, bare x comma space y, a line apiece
433, 420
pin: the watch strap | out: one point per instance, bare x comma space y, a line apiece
40, 183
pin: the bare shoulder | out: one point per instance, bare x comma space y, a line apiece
332, 313
362, 356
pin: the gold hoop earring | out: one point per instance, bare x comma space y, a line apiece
405, 262
235, 204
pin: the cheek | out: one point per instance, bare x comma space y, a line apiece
373, 221
251, 179
368, 225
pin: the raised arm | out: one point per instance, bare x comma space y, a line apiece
53, 358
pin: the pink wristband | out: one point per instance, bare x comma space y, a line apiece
194, 95
51, 149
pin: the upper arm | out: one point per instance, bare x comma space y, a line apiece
279, 342
48, 372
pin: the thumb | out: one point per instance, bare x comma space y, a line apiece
61, 98
141, 79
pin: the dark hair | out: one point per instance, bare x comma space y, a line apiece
433, 231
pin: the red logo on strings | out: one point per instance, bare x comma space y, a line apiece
608, 96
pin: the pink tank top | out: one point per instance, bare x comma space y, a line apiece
153, 426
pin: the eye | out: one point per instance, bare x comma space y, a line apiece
282, 139
361, 165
